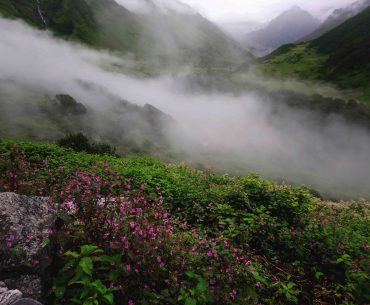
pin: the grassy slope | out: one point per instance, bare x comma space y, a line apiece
101, 24
261, 216
105, 24
341, 56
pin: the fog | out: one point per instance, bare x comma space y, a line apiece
261, 11
163, 6
236, 133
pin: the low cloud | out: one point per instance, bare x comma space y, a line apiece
239, 133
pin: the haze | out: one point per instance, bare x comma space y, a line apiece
261, 11
237, 133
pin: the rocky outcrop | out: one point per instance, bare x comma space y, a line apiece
25, 223
14, 297
8, 297
26, 301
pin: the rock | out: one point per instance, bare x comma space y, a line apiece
10, 297
30, 285
68, 105
24, 223
3, 287
26, 302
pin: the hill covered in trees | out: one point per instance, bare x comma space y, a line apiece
341, 56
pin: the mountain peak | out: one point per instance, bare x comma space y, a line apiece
295, 8
338, 17
288, 27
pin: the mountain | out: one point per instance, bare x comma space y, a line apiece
237, 29
288, 27
338, 17
160, 32
341, 56
162, 6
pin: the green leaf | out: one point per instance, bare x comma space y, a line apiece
252, 293
87, 266
190, 301
84, 293
109, 298
77, 277
59, 291
202, 286
72, 254
190, 274
290, 285
99, 286
87, 250
260, 278
318, 275
110, 259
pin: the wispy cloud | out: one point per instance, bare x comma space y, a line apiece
240, 133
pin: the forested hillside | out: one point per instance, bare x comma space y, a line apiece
183, 38
341, 56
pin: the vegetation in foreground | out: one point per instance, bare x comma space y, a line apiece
137, 231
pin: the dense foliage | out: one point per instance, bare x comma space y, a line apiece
137, 231
79, 142
72, 19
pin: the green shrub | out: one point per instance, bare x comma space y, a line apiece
243, 240
79, 142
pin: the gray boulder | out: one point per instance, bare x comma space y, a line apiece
10, 297
26, 301
24, 222
24, 225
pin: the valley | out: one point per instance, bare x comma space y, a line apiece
152, 155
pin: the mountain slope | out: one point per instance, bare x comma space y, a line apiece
180, 37
286, 28
66, 18
341, 56
338, 17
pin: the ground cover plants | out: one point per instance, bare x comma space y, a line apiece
137, 231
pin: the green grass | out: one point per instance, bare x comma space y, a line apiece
340, 57
299, 62
291, 237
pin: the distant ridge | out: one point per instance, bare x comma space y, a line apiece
337, 18
288, 27
341, 56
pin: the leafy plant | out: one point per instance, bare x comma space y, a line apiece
197, 292
76, 282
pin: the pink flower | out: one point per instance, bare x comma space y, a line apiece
10, 240
130, 302
128, 268
233, 294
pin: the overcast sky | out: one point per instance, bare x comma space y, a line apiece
261, 10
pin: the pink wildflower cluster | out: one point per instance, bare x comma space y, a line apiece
21, 176
108, 211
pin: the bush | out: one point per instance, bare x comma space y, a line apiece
218, 240
79, 142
